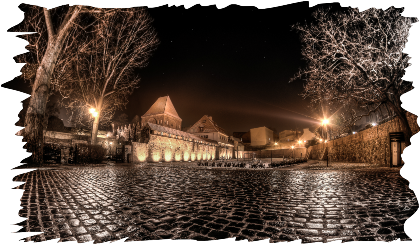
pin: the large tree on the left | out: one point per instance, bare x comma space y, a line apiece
53, 29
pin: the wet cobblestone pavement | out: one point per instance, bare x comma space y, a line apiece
312, 203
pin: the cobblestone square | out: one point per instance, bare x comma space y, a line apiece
149, 202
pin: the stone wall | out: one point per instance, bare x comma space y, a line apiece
166, 149
70, 140
368, 146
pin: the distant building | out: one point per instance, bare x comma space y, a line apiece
158, 137
238, 134
307, 135
289, 135
207, 128
237, 143
261, 136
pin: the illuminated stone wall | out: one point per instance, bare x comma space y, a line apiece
367, 146
167, 149
225, 153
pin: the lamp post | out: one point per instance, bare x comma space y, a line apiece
325, 124
293, 152
300, 143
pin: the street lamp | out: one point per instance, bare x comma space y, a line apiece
325, 123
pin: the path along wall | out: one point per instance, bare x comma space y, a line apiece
368, 146
278, 153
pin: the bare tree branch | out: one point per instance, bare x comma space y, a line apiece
356, 58
102, 71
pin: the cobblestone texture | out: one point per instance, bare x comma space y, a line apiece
149, 203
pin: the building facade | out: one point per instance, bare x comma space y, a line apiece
261, 136
158, 137
206, 128
289, 135
307, 135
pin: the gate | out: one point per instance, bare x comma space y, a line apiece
52, 153
119, 154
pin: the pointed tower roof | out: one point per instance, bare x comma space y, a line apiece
162, 106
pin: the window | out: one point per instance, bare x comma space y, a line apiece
201, 129
204, 121
167, 123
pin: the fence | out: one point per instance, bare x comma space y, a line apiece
278, 153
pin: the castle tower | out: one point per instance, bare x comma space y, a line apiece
163, 113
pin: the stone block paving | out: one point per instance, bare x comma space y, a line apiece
149, 203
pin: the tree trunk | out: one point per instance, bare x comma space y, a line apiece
406, 129
402, 115
95, 130
35, 115
95, 125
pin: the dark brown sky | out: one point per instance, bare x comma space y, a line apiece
233, 64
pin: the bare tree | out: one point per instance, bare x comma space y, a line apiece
102, 73
53, 28
136, 119
356, 59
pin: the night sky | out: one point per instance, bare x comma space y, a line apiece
233, 64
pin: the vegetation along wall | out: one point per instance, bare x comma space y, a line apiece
368, 146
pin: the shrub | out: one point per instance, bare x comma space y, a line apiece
90, 154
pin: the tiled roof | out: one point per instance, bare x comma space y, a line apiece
162, 106
171, 131
208, 126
